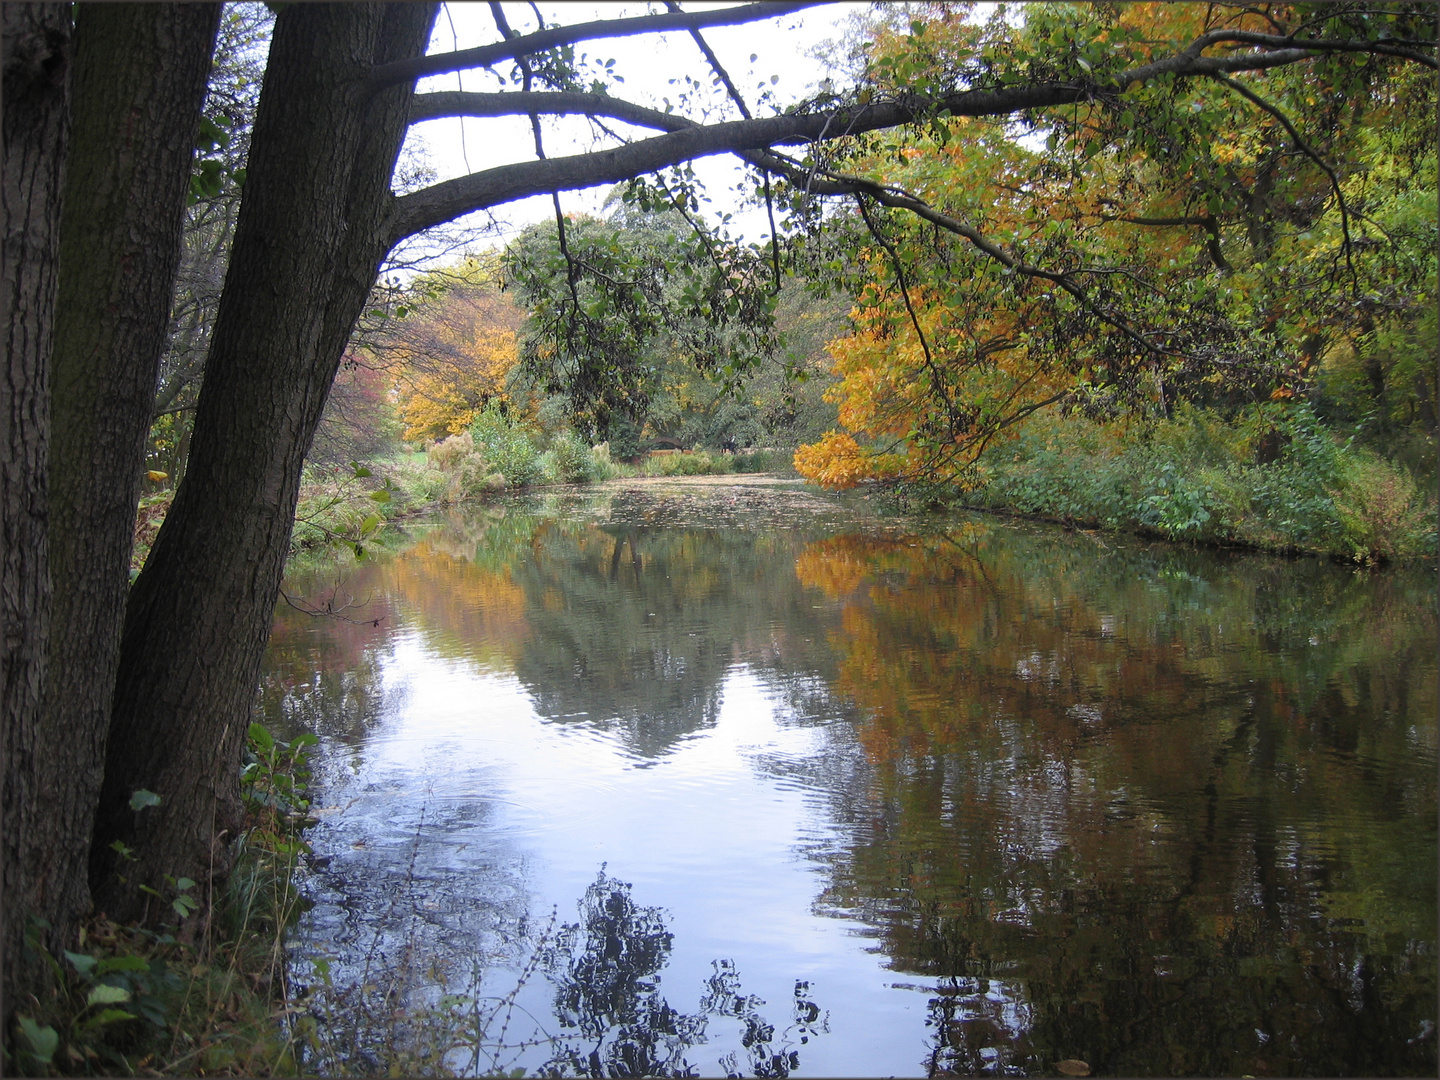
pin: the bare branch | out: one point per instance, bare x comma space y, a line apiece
937, 380
1205, 221
715, 65
451, 103
1402, 49
887, 195
401, 71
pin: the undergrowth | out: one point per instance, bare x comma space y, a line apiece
1275, 478
204, 993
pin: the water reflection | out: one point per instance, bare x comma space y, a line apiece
614, 1019
1143, 814
1005, 796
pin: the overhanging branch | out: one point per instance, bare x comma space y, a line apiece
1259, 102
418, 67
452, 103
478, 191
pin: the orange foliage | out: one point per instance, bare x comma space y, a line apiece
457, 351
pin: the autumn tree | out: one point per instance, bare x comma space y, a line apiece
453, 351
1206, 240
317, 218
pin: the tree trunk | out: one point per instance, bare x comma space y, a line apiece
139, 81
37, 54
308, 245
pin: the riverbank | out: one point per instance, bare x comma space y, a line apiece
1279, 482
204, 990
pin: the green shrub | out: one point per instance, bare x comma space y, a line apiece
1196, 477
753, 461
606, 467
697, 463
574, 460
1382, 511
507, 448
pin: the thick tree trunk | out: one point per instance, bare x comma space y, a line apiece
140, 72
307, 248
37, 54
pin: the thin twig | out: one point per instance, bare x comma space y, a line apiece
1306, 149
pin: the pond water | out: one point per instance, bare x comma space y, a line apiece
812, 791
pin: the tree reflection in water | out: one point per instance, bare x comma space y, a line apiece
606, 971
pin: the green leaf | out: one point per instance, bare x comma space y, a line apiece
369, 525
107, 995
380, 495
184, 883
43, 1040
142, 798
109, 1016
261, 737
121, 963
83, 962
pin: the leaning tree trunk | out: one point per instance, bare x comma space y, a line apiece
139, 82
308, 244
37, 53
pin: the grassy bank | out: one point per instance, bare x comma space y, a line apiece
1274, 479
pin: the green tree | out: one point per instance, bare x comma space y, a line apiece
634, 317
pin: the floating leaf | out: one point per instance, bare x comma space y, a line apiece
1073, 1067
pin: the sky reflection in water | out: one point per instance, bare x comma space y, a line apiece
995, 796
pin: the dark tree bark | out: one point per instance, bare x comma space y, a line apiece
308, 246
139, 81
37, 55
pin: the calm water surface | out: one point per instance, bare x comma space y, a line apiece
814, 792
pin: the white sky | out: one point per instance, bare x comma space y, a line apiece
648, 64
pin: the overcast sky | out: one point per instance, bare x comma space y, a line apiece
782, 49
